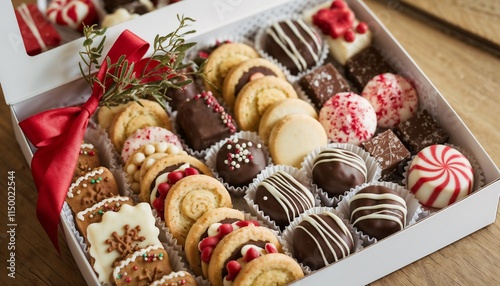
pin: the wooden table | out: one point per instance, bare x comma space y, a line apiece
467, 76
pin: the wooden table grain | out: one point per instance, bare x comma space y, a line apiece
467, 76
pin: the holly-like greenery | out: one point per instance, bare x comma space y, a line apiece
166, 67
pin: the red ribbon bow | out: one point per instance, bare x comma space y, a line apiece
58, 134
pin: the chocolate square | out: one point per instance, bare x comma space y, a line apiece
179, 95
202, 121
420, 131
366, 64
323, 83
387, 150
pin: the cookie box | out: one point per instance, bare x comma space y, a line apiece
52, 79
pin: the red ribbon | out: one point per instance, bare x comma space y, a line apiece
58, 134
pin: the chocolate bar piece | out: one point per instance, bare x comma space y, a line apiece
323, 83
363, 66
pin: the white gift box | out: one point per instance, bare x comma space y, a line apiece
52, 79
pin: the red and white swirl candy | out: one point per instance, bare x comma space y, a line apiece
440, 175
72, 13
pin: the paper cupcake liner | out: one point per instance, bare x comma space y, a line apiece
267, 172
302, 94
477, 173
99, 138
373, 169
259, 46
414, 208
211, 159
359, 238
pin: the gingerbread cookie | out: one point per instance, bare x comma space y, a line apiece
208, 225
144, 157
88, 159
176, 278
222, 60
134, 117
91, 188
281, 109
293, 137
256, 96
189, 199
246, 72
142, 267
237, 249
118, 235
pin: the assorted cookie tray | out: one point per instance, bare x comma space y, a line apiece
298, 133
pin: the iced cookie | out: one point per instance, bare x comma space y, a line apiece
244, 73
189, 199
280, 109
222, 60
91, 188
134, 117
88, 159
293, 137
142, 267
256, 96
176, 278
348, 118
147, 135
118, 235
393, 98
208, 225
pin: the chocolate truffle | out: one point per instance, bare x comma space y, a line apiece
387, 150
365, 65
202, 121
132, 6
337, 170
378, 211
294, 44
420, 131
283, 198
323, 83
321, 239
239, 161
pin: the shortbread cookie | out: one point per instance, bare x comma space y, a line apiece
148, 135
244, 73
134, 117
189, 199
293, 137
106, 114
159, 171
208, 225
222, 60
143, 158
176, 278
91, 188
142, 267
270, 269
94, 214
88, 159
118, 235
281, 109
256, 96
240, 247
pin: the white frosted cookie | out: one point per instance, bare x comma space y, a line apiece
293, 137
147, 135
120, 234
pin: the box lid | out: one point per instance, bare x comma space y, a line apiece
23, 76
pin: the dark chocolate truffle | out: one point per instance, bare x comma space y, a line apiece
337, 170
294, 44
239, 161
202, 121
387, 150
365, 65
321, 239
323, 83
283, 198
132, 6
420, 131
378, 211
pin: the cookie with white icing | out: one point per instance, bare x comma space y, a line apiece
176, 279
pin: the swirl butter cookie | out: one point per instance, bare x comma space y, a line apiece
188, 199
222, 60
245, 72
134, 117
293, 137
256, 96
